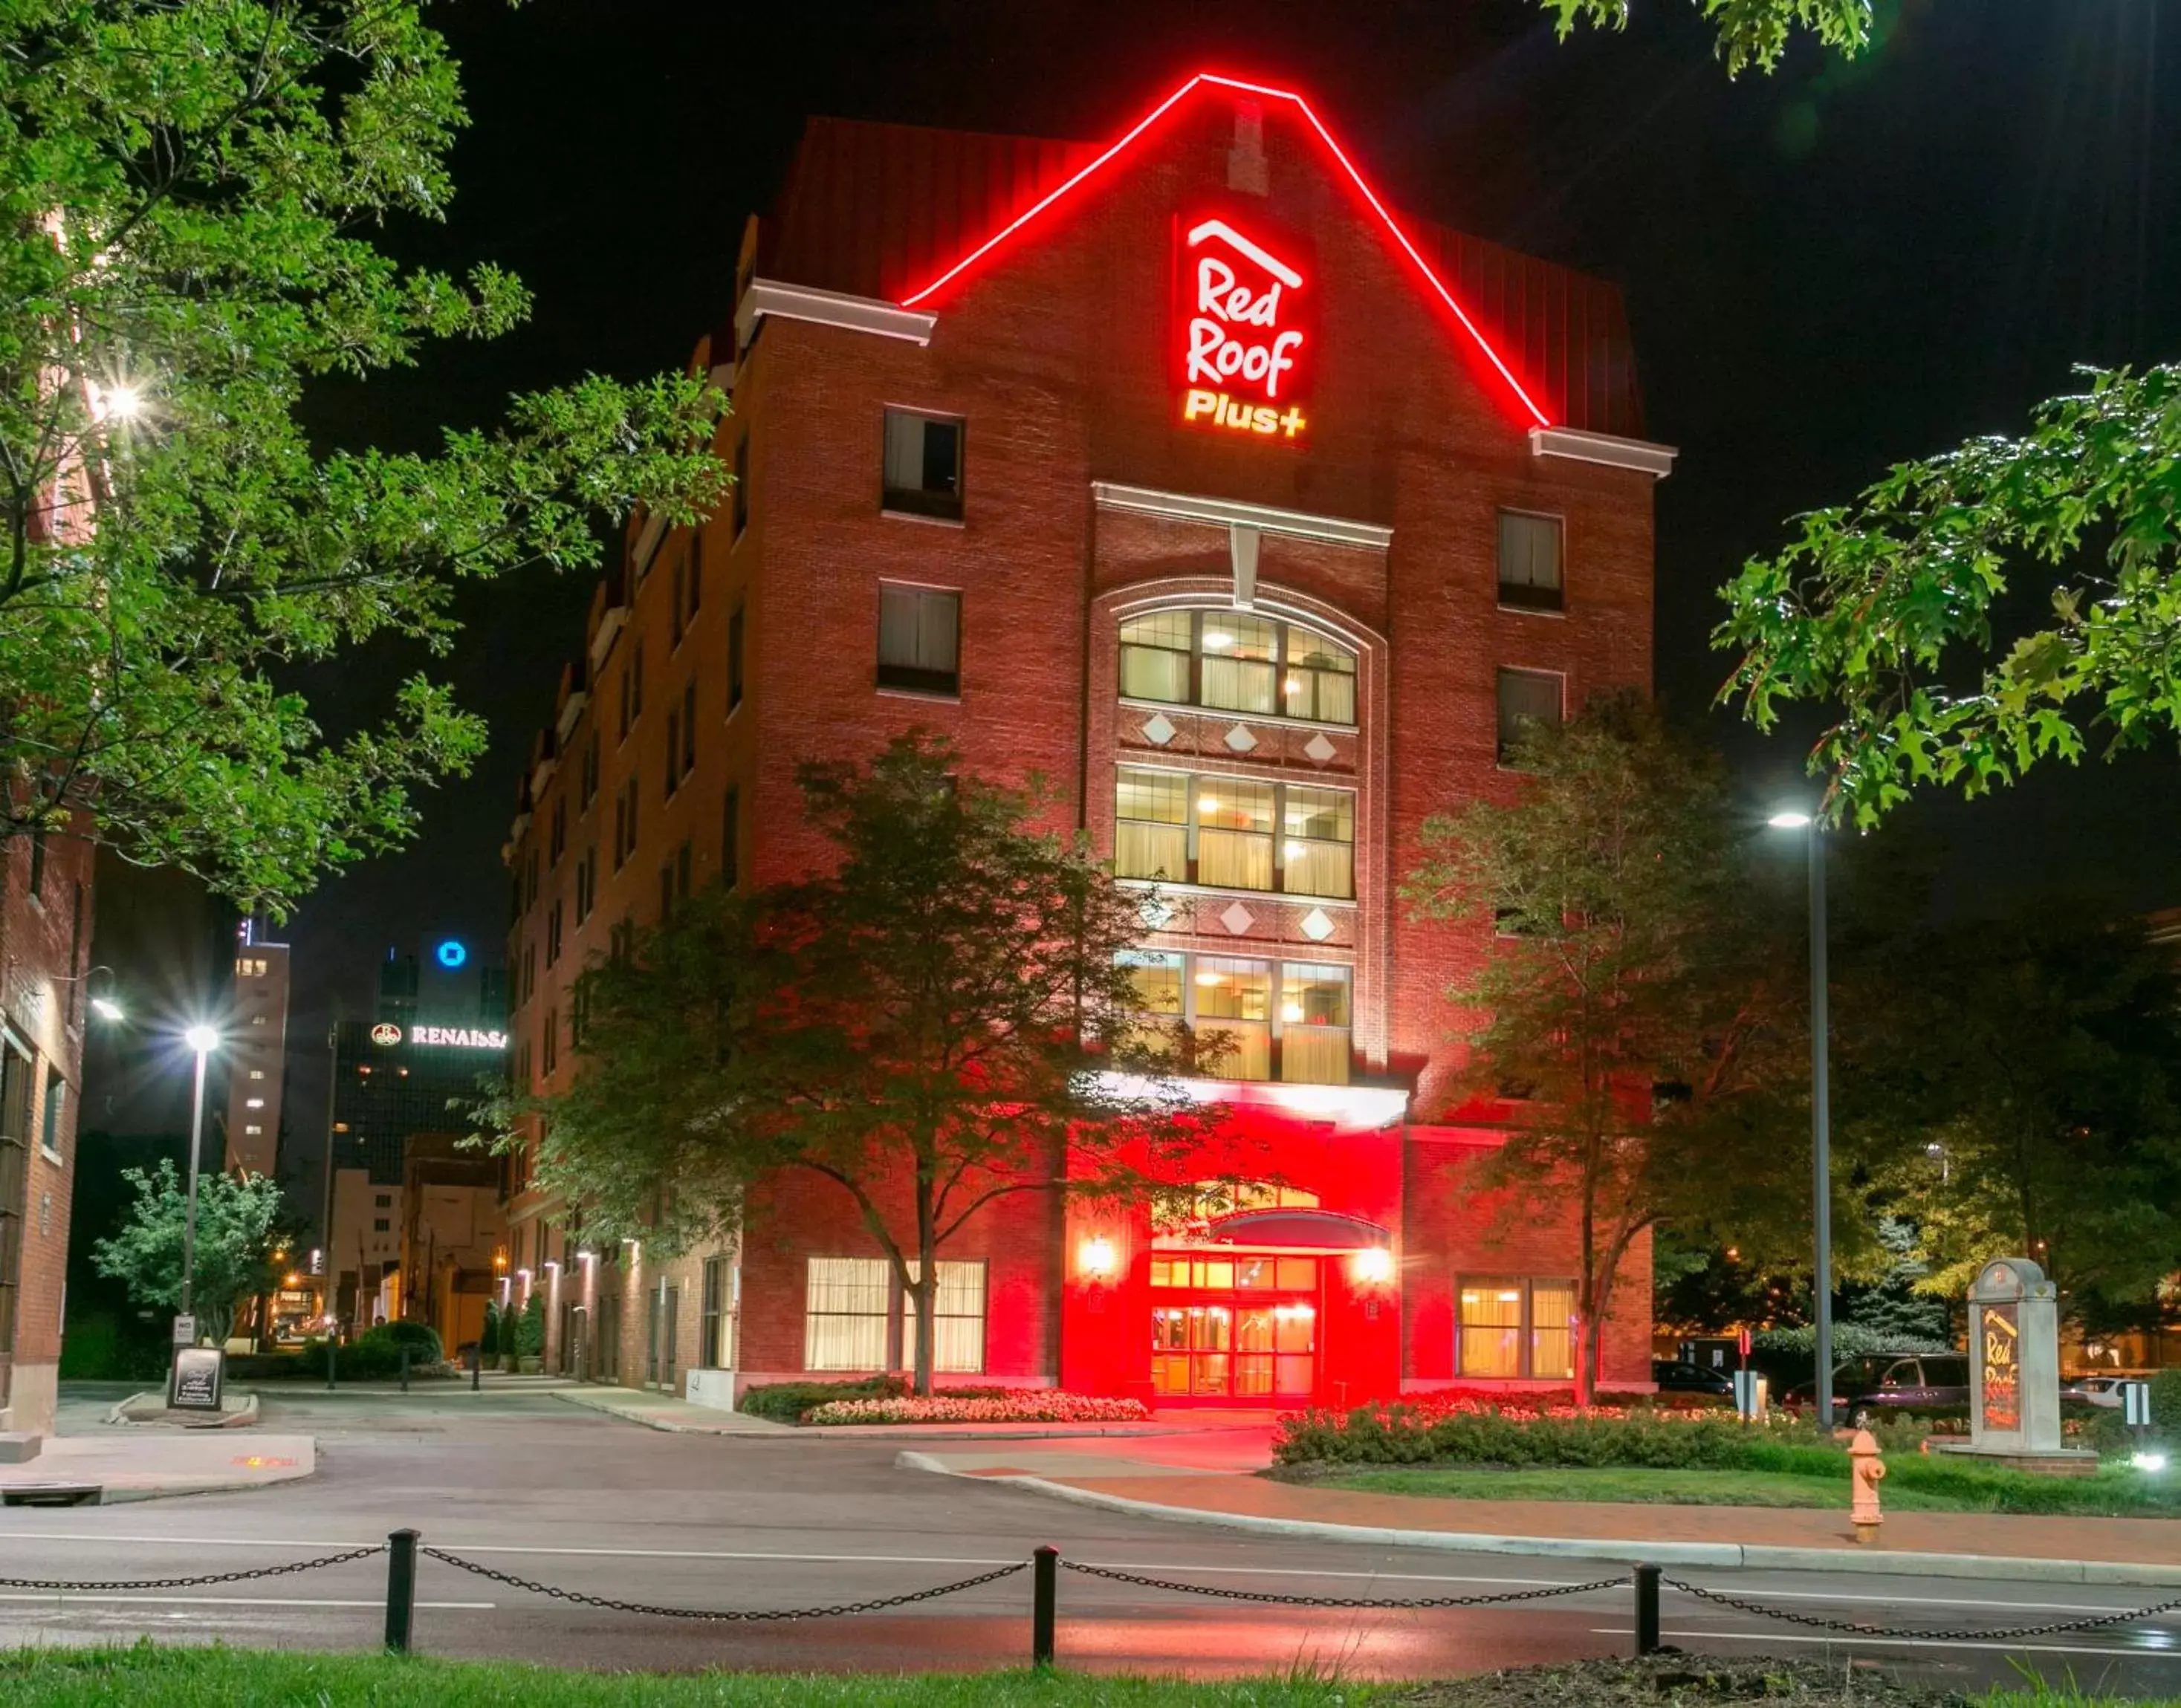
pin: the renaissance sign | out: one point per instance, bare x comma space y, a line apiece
441, 1037
1245, 328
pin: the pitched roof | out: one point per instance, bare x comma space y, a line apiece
899, 212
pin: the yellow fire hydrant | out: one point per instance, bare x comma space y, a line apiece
1866, 1470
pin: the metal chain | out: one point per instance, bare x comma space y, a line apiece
1964, 1634
196, 1583
1266, 1595
708, 1613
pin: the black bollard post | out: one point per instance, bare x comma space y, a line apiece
1045, 1589
329, 1362
405, 1369
477, 1369
1646, 1610
400, 1589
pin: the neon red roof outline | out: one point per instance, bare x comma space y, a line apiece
1137, 131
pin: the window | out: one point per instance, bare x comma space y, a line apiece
1232, 832
558, 843
551, 1039
673, 750
696, 570
688, 726
587, 869
919, 629
384, 1200
1530, 561
553, 934
677, 600
49, 1121
715, 1347
957, 1320
590, 768
625, 824
631, 688
740, 494
923, 464
734, 658
529, 971
251, 1129
381, 1224
1516, 1328
38, 860
730, 838
1234, 662
1526, 698
258, 1073
844, 1324
1287, 1021
15, 1171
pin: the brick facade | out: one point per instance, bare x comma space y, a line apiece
1086, 500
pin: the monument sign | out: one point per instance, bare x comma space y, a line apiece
2014, 1355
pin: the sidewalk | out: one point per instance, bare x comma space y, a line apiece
144, 1464
1163, 1485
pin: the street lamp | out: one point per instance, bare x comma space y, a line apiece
105, 1008
1820, 1104
203, 1039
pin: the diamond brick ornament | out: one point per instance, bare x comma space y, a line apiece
1240, 739
1317, 925
1237, 918
1157, 730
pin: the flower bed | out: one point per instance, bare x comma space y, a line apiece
1008, 1405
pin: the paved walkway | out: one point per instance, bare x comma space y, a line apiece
1205, 1479
143, 1463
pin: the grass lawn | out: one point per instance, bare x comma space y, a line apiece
144, 1676
1811, 1477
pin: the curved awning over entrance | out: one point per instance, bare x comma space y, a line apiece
1312, 1230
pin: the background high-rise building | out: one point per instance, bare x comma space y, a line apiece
257, 1053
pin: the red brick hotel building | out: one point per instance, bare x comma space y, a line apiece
1184, 470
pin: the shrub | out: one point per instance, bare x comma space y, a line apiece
990, 1406
785, 1403
1472, 1432
530, 1329
2165, 1403
422, 1339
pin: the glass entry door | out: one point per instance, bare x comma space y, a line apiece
1234, 1328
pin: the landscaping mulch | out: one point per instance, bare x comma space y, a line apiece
1684, 1681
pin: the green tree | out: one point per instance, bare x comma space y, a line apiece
1751, 32
239, 1228
945, 1021
2045, 1068
193, 194
1636, 1011
1891, 606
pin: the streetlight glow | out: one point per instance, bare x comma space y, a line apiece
201, 1038
105, 1008
1787, 818
123, 402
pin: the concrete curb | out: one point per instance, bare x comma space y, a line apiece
243, 1417
1734, 1555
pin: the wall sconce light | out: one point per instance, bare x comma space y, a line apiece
1095, 1258
1374, 1265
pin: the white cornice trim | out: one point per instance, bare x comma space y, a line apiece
571, 709
1573, 442
1228, 513
609, 624
830, 308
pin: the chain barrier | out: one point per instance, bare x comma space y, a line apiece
243, 1577
1275, 1599
1964, 1634
728, 1615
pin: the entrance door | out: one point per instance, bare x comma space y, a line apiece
1241, 1329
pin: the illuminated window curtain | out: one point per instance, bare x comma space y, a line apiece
1157, 978
958, 1322
1317, 845
1150, 824
1319, 682
1529, 561
1526, 698
1233, 833
1491, 1333
1234, 999
1551, 1330
1155, 656
1315, 1021
1239, 667
845, 1314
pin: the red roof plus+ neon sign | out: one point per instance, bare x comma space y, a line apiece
1242, 314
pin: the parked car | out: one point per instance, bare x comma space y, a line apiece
1896, 1386
1677, 1376
2097, 1391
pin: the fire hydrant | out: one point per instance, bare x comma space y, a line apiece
1866, 1470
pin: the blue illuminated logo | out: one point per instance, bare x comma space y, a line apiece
452, 954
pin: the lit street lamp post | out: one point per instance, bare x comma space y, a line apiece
1820, 1108
203, 1040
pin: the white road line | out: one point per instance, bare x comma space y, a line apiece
69, 1597
1845, 1642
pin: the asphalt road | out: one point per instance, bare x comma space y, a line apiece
529, 1485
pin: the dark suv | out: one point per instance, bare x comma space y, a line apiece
1893, 1386
1678, 1376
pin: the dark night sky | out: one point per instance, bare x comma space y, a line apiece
1827, 269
